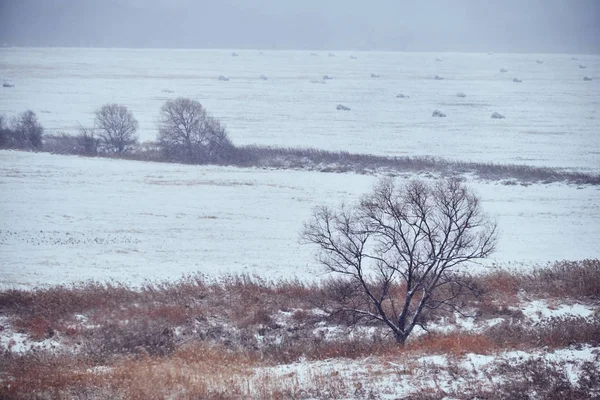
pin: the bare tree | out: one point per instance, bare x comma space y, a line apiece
399, 249
117, 128
25, 132
187, 133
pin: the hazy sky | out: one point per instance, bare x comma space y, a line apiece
571, 26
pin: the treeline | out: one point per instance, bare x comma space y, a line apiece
188, 133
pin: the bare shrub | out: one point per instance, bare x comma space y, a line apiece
541, 379
553, 332
409, 237
116, 128
138, 336
343, 161
187, 133
84, 144
24, 132
575, 279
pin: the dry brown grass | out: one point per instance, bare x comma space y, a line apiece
456, 343
202, 338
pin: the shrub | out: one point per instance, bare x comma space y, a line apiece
24, 132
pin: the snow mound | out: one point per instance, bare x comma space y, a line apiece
539, 62
587, 78
439, 59
496, 115
438, 78
503, 70
234, 54
582, 66
438, 113
538, 310
263, 77
353, 57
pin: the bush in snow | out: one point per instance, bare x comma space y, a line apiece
24, 132
7, 85
496, 115
539, 61
85, 143
587, 78
402, 96
438, 113
374, 75
327, 77
438, 78
581, 66
503, 70
223, 78
516, 80
342, 107
461, 94
263, 77
234, 54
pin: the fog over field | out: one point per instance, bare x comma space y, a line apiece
533, 26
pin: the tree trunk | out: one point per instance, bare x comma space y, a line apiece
400, 338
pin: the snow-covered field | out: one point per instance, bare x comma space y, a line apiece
552, 116
71, 218
68, 218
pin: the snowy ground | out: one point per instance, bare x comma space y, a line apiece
68, 218
552, 116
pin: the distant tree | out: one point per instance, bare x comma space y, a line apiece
25, 132
187, 133
116, 128
399, 249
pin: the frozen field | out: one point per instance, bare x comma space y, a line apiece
552, 117
67, 218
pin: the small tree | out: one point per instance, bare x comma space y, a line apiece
116, 128
187, 133
25, 132
399, 249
